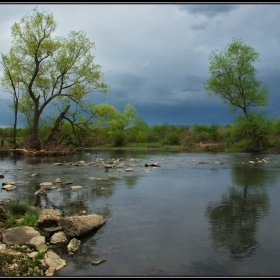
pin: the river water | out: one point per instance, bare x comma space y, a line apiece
196, 214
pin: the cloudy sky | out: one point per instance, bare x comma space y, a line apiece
155, 56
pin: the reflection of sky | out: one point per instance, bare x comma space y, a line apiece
156, 223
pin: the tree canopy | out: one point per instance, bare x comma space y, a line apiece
233, 77
48, 69
234, 80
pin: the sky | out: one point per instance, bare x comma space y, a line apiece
156, 56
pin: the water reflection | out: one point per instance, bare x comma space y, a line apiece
234, 219
156, 220
131, 181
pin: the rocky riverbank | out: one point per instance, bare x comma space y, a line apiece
23, 245
45, 150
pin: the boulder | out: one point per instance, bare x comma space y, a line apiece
9, 187
18, 235
38, 243
76, 187
53, 260
73, 245
59, 238
48, 218
76, 226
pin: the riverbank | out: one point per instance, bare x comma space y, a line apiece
46, 151
59, 150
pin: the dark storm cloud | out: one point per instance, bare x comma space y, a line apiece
128, 82
185, 114
209, 10
155, 56
6, 114
272, 81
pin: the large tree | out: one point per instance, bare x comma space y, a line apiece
233, 79
50, 69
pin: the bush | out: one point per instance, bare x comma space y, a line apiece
173, 140
119, 137
17, 207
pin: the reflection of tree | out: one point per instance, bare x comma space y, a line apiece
234, 219
256, 177
131, 181
86, 253
105, 211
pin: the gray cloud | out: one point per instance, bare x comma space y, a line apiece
209, 10
156, 56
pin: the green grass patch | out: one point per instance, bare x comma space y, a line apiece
20, 214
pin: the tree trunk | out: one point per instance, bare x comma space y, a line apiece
57, 124
260, 143
15, 123
16, 98
35, 143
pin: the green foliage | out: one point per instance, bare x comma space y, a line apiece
173, 140
29, 219
26, 266
17, 207
254, 128
39, 256
276, 128
118, 137
203, 132
233, 77
110, 117
200, 128
48, 69
244, 135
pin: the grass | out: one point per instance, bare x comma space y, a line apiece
19, 209
26, 266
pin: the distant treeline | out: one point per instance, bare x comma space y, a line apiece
228, 138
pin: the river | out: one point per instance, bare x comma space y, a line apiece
196, 214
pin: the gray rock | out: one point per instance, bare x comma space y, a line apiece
48, 218
11, 252
59, 238
18, 235
37, 242
53, 260
76, 226
53, 229
9, 187
8, 183
76, 187
42, 248
73, 245
50, 271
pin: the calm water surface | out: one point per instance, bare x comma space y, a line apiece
183, 218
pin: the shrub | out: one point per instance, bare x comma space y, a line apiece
17, 207
119, 137
173, 140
